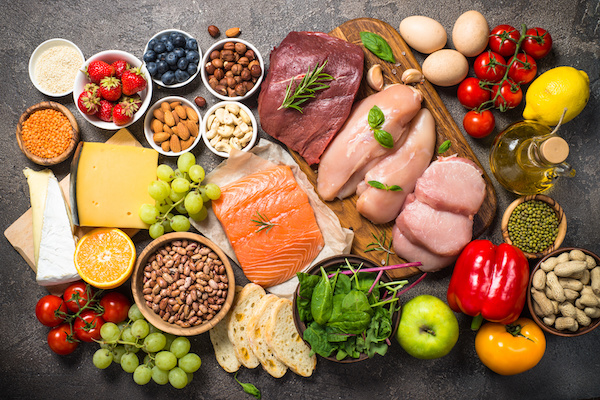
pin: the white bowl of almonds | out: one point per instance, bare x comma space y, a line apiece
228, 125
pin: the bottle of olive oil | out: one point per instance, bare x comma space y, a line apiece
527, 158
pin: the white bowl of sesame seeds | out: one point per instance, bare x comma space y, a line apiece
53, 66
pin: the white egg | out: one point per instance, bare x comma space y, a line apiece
445, 67
423, 34
470, 33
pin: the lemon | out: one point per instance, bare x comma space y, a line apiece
555, 90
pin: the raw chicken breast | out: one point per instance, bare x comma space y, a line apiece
355, 146
402, 168
430, 262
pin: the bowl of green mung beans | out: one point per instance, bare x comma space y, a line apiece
536, 224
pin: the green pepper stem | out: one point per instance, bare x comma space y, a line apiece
476, 323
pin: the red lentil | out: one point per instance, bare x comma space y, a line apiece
47, 133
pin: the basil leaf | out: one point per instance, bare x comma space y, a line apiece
382, 186
444, 147
376, 118
384, 138
378, 46
248, 388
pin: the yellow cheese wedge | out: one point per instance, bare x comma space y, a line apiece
38, 185
112, 184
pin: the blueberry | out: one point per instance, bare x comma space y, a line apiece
152, 68
181, 76
152, 43
169, 45
179, 41
162, 67
193, 56
179, 52
159, 47
191, 44
182, 63
173, 35
171, 58
168, 78
149, 56
163, 38
161, 56
173, 67
192, 68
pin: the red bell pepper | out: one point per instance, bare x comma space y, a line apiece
489, 281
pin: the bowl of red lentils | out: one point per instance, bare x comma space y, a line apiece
47, 133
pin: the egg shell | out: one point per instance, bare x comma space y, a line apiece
470, 34
423, 34
445, 67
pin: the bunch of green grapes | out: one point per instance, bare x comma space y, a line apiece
178, 195
167, 358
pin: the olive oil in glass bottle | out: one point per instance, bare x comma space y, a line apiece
528, 157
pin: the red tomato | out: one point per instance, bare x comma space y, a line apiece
46, 310
61, 340
87, 326
116, 305
479, 124
503, 40
76, 296
470, 94
510, 95
523, 68
490, 66
537, 43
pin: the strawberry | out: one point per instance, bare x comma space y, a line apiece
120, 66
91, 87
96, 70
123, 112
110, 88
134, 99
88, 102
105, 111
133, 81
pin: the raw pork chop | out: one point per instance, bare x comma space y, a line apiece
309, 132
412, 252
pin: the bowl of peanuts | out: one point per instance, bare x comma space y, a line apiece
47, 133
229, 125
564, 292
171, 126
183, 283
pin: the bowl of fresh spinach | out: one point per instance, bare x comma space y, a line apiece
346, 308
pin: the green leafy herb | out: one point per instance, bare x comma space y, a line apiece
376, 118
262, 221
380, 245
307, 285
248, 387
321, 303
378, 46
383, 186
310, 83
444, 147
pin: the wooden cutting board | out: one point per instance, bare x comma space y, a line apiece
365, 232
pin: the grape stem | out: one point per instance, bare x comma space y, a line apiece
90, 304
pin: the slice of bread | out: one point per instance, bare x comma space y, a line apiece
256, 333
224, 351
236, 329
285, 341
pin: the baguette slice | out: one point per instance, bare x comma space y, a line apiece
285, 341
224, 351
240, 316
256, 333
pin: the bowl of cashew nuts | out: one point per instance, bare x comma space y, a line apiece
229, 125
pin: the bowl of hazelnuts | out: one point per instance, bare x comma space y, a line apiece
232, 69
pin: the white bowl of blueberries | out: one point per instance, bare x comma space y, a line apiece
172, 58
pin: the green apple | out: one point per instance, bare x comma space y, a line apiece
428, 328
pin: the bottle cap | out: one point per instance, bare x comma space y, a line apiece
555, 150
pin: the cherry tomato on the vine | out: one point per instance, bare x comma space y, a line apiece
479, 124
539, 45
116, 305
58, 340
510, 95
46, 310
76, 296
471, 94
523, 68
490, 66
503, 40
87, 326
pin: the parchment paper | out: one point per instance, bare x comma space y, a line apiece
338, 240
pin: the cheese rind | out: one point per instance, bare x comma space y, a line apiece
38, 185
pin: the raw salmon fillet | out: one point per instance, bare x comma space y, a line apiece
272, 255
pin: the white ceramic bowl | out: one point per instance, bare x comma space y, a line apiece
148, 121
204, 128
218, 46
48, 44
111, 56
178, 84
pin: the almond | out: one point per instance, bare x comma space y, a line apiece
192, 127
185, 144
159, 115
181, 112
175, 117
232, 32
175, 144
174, 104
191, 114
169, 119
165, 106
166, 146
167, 128
160, 137
182, 131
156, 126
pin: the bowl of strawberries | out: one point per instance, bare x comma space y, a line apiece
113, 90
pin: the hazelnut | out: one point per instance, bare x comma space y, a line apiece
229, 74
237, 69
240, 90
221, 90
248, 85
213, 82
255, 71
250, 54
253, 62
238, 79
245, 74
213, 31
215, 54
217, 62
240, 48
210, 68
223, 82
200, 101
243, 61
227, 55
231, 92
227, 65
230, 82
219, 74
229, 46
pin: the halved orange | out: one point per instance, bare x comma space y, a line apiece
104, 257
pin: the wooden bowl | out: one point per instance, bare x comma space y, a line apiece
560, 214
72, 144
582, 329
330, 264
137, 284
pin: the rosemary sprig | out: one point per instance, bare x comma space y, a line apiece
262, 221
310, 83
380, 245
